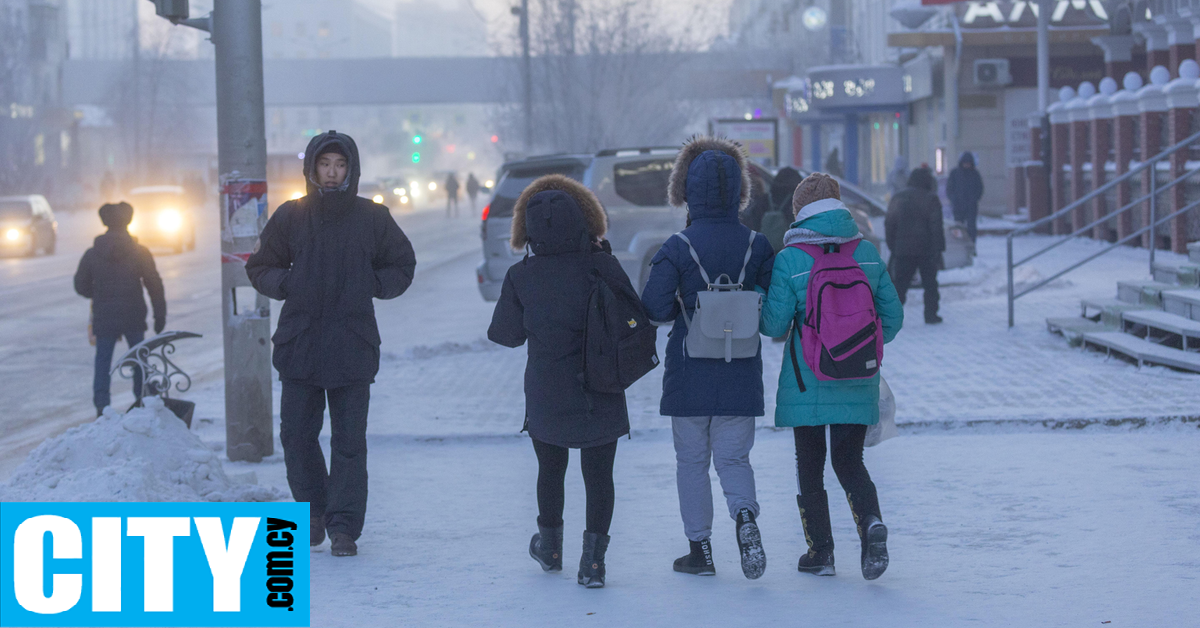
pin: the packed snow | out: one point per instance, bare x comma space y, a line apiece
144, 455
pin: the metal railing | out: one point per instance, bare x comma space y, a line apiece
1152, 223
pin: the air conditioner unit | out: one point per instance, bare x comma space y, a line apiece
992, 73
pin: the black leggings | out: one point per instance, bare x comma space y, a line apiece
846, 441
597, 463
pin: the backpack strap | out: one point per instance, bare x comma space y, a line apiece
695, 256
746, 262
792, 349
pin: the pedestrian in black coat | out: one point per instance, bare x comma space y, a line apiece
916, 238
964, 189
544, 302
326, 256
113, 274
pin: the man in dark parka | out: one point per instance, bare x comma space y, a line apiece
916, 238
964, 188
326, 256
112, 274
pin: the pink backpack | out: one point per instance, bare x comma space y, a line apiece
841, 335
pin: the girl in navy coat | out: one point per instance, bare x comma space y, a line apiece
712, 403
544, 301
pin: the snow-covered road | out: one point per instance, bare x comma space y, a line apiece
46, 362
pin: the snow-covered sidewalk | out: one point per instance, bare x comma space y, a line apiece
1047, 529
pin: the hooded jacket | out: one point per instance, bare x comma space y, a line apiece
544, 302
824, 402
914, 218
964, 188
712, 179
112, 274
326, 256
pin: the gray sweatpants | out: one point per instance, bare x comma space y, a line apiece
727, 441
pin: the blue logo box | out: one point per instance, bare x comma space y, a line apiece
154, 564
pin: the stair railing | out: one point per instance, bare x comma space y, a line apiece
1151, 226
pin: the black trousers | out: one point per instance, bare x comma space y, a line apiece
340, 494
970, 217
904, 268
102, 379
846, 444
597, 463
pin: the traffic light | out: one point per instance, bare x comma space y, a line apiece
416, 139
416, 158
171, 9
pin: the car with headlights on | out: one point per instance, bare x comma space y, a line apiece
163, 216
27, 224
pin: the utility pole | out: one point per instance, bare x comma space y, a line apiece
526, 73
236, 28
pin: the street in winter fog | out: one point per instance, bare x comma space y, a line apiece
567, 312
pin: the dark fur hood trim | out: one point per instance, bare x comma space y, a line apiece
593, 211
697, 144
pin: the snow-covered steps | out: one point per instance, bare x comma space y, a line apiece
1194, 252
1074, 327
1185, 303
1109, 310
1143, 351
1146, 323
1186, 274
1143, 292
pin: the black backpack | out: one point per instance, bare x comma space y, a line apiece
619, 342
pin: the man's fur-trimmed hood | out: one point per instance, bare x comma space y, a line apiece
684, 177
593, 212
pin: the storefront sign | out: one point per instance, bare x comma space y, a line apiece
1024, 14
859, 86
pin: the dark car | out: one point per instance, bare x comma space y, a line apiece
26, 225
496, 227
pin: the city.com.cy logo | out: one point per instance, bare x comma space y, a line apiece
154, 564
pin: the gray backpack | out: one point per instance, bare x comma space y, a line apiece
725, 321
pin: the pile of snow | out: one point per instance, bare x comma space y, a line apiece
144, 455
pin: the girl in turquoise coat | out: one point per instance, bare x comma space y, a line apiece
846, 406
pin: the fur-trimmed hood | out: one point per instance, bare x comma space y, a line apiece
565, 211
711, 177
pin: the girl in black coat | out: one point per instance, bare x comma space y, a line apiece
544, 301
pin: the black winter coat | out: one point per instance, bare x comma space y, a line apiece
914, 224
544, 301
326, 256
112, 274
964, 188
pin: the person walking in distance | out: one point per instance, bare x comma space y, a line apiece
847, 406
712, 402
113, 274
452, 195
916, 238
964, 188
544, 301
326, 256
472, 189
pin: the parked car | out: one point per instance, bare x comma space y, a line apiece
27, 224
496, 219
163, 216
630, 183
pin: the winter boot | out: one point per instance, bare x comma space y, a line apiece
591, 563
754, 560
316, 530
933, 320
340, 544
546, 548
814, 516
864, 504
699, 562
